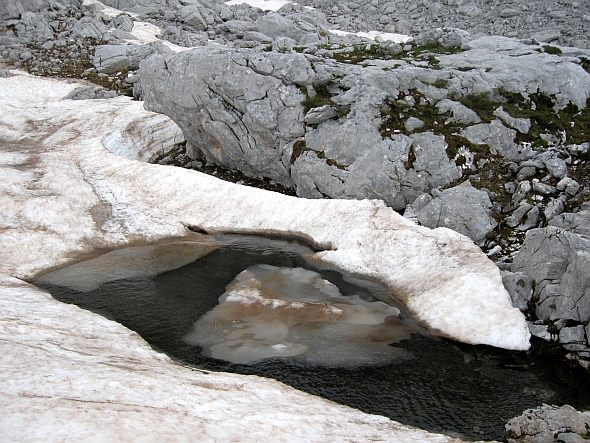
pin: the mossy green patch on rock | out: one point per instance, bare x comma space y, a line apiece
394, 117
322, 97
551, 50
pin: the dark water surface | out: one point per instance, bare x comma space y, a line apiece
460, 390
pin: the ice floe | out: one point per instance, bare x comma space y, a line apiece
285, 312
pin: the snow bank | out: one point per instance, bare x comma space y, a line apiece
65, 197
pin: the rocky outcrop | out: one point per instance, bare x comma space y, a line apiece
463, 209
545, 21
549, 424
557, 258
252, 116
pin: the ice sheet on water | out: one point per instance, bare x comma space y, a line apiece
269, 311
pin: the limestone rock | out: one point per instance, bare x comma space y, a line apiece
520, 288
463, 209
516, 217
575, 286
88, 27
113, 58
553, 209
35, 28
543, 188
578, 223
432, 158
89, 93
546, 252
499, 138
413, 124
460, 113
544, 421
320, 115
522, 125
556, 167
569, 185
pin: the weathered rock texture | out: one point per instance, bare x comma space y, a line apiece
549, 424
251, 114
557, 258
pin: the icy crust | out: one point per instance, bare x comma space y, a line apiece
269, 311
69, 197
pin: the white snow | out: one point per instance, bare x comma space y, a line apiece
397, 38
108, 10
65, 197
148, 32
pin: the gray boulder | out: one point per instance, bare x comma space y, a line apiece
556, 167
114, 58
319, 115
522, 125
463, 208
443, 37
413, 124
546, 253
88, 27
34, 28
275, 25
459, 112
236, 108
432, 159
569, 185
575, 287
558, 262
135, 5
543, 423
518, 215
90, 93
578, 223
498, 137
14, 9
520, 288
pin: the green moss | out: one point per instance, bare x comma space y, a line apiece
441, 83
395, 116
322, 97
313, 102
360, 53
482, 104
540, 143
436, 49
551, 50
343, 111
